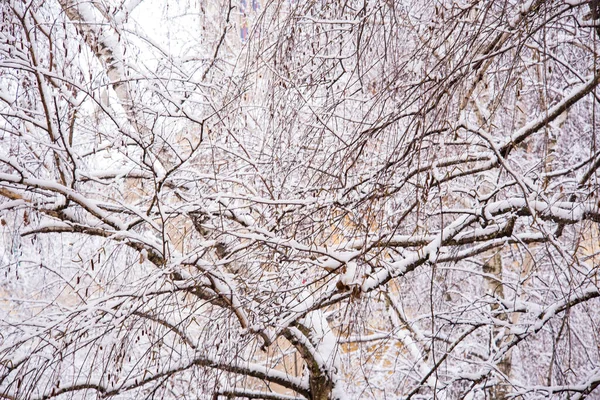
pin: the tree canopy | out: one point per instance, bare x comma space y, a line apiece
299, 199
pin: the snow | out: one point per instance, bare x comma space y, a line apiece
357, 168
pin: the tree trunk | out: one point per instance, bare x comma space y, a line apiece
494, 287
